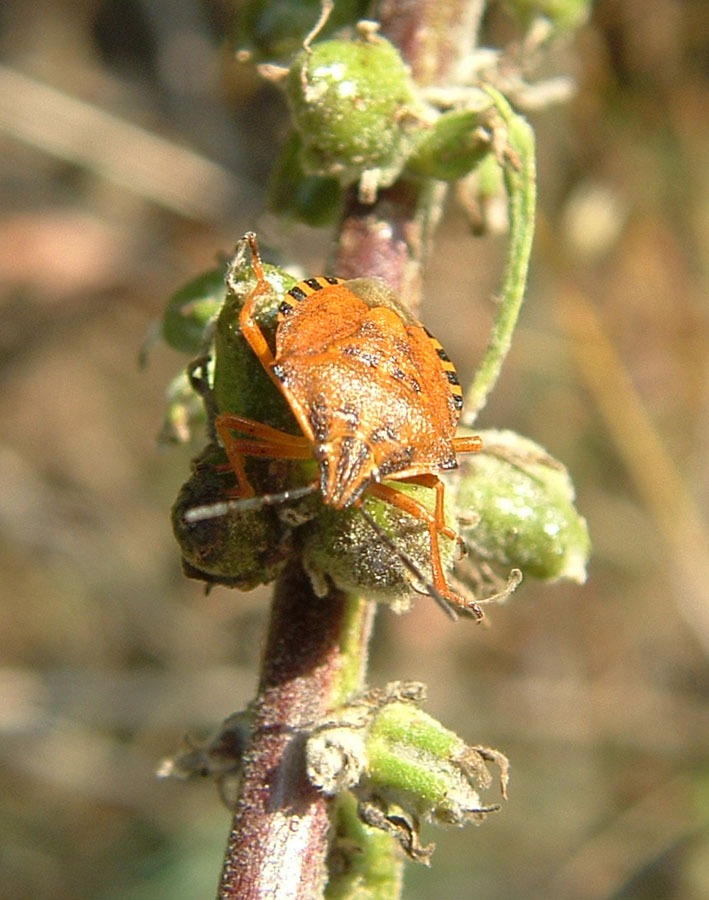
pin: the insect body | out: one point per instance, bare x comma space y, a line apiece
375, 395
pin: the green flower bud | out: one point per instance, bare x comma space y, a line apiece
516, 509
243, 546
343, 545
401, 764
453, 148
241, 384
417, 764
353, 103
190, 309
240, 548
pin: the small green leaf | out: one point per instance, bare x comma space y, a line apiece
191, 308
513, 138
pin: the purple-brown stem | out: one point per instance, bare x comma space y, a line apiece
278, 842
433, 36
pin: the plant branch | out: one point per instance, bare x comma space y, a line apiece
519, 169
433, 37
316, 651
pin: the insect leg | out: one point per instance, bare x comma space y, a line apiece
434, 522
439, 512
464, 443
409, 564
266, 441
430, 480
260, 430
249, 327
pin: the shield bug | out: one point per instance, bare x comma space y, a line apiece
375, 395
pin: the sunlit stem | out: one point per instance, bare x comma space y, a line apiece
519, 170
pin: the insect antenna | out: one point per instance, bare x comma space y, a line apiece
410, 565
223, 507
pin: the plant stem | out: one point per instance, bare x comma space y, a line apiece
390, 238
520, 183
433, 37
314, 653
315, 656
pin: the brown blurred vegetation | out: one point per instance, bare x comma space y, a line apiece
598, 693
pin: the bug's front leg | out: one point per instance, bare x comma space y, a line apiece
250, 328
261, 440
435, 523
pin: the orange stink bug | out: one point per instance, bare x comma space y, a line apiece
375, 395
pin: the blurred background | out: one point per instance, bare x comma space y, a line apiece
133, 150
